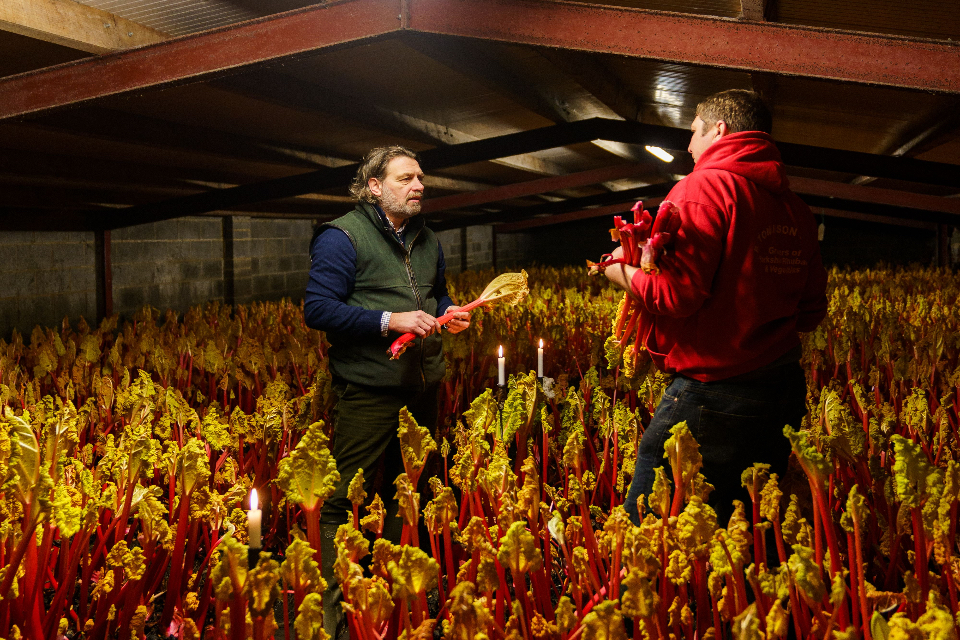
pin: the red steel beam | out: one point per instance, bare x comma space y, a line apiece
929, 65
572, 216
534, 187
198, 56
911, 63
873, 195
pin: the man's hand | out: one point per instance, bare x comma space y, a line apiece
419, 322
461, 320
620, 274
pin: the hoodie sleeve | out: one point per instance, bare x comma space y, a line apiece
687, 270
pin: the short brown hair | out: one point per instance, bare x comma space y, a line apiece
742, 110
374, 165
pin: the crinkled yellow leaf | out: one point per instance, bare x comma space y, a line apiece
469, 618
519, 550
355, 492
309, 620
604, 622
371, 598
415, 443
566, 615
408, 499
299, 570
308, 476
233, 561
806, 573
639, 600
193, 467
414, 573
215, 432
262, 586
65, 514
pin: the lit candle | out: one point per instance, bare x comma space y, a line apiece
254, 517
502, 380
540, 359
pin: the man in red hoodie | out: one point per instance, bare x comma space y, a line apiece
743, 278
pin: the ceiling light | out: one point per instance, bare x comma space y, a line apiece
660, 153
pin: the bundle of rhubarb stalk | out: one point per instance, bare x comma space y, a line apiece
507, 288
642, 243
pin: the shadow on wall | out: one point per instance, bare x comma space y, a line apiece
852, 243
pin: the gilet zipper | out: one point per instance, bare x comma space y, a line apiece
416, 292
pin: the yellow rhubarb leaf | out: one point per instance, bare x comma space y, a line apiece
308, 476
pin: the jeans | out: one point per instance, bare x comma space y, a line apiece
736, 422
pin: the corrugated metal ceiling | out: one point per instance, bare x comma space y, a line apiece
176, 17
430, 90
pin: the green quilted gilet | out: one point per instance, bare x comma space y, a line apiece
389, 277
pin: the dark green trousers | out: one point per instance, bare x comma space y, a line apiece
365, 422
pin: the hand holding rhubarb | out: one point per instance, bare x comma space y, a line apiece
509, 288
644, 241
641, 246
420, 323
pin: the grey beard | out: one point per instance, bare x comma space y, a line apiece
395, 208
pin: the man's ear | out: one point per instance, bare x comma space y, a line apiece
722, 128
374, 185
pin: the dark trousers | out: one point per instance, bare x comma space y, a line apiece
366, 420
365, 423
736, 423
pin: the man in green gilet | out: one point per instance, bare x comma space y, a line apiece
377, 273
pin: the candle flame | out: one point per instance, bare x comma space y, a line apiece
541, 343
254, 502
500, 352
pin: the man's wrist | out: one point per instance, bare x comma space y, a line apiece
385, 323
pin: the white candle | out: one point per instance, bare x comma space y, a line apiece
540, 359
254, 517
502, 380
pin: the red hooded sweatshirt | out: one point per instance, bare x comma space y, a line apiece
744, 274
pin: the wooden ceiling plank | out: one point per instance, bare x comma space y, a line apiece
753, 10
471, 61
929, 65
74, 25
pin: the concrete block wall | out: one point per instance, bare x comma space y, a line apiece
452, 244
479, 247
173, 264
279, 258
44, 277
178, 263
513, 250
